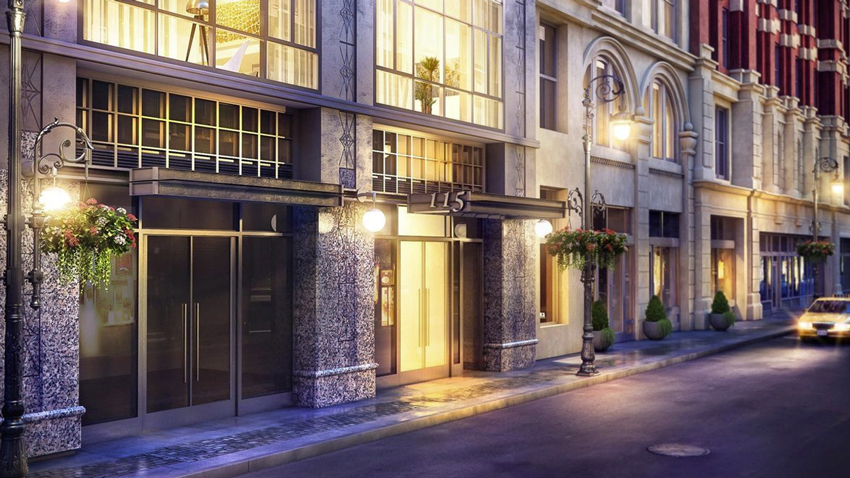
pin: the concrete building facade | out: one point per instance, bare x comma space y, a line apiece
251, 138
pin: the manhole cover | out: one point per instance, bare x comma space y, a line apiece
678, 450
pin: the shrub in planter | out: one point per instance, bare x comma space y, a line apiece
722, 321
603, 335
656, 326
719, 307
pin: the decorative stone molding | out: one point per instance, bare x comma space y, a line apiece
611, 162
668, 174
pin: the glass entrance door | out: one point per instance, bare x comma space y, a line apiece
423, 305
188, 322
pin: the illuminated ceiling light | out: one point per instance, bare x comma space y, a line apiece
543, 228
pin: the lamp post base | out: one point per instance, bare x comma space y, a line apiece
13, 462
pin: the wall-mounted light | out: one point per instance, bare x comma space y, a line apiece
837, 185
621, 125
374, 220
543, 228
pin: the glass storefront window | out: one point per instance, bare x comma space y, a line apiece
228, 34
554, 282
156, 128
723, 271
444, 60
663, 264
109, 332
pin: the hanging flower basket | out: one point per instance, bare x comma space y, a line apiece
86, 238
816, 251
577, 248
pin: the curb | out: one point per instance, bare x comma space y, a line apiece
308, 451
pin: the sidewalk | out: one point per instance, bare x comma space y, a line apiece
239, 445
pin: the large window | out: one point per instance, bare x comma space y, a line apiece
664, 224
548, 76
663, 264
664, 128
604, 111
134, 127
274, 39
779, 162
724, 40
406, 164
444, 60
801, 171
721, 143
664, 18
554, 283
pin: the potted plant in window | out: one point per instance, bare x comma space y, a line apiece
603, 335
720, 312
656, 326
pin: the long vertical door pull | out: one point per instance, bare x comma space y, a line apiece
185, 343
198, 341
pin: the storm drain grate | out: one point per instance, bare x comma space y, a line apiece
678, 450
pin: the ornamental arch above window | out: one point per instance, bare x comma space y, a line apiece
441, 58
272, 39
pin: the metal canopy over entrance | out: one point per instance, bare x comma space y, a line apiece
192, 184
485, 206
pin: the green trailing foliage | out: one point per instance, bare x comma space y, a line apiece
730, 318
608, 337
655, 310
599, 315
720, 304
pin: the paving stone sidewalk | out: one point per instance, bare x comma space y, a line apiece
235, 446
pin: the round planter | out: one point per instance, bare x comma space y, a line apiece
598, 344
718, 322
653, 331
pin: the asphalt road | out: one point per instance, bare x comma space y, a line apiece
776, 409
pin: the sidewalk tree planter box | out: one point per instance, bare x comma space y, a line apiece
603, 335
720, 312
656, 326
722, 322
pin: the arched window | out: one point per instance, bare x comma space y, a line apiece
604, 111
665, 128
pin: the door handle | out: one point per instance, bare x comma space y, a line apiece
427, 317
421, 304
185, 342
198, 341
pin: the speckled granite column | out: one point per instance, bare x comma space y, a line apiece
509, 311
334, 308
51, 347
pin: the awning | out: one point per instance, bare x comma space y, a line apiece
481, 205
197, 185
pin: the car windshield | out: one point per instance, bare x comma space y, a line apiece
831, 307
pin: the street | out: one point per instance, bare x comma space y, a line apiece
775, 409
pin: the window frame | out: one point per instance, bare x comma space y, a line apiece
548, 103
721, 143
603, 112
263, 37
660, 11
660, 101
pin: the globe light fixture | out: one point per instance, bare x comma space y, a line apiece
621, 125
54, 199
543, 228
374, 220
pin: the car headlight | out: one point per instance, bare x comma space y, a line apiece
842, 327
804, 325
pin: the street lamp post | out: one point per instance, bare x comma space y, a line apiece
13, 460
604, 89
825, 165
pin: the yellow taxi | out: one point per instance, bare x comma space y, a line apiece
826, 317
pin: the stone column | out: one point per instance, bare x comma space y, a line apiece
510, 327
333, 306
642, 131
688, 140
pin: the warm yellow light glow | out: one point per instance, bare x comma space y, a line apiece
64, 1
721, 269
837, 187
842, 327
543, 228
54, 198
621, 125
804, 325
374, 220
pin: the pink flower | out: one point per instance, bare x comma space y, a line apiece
131, 217
73, 241
91, 201
591, 247
93, 231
